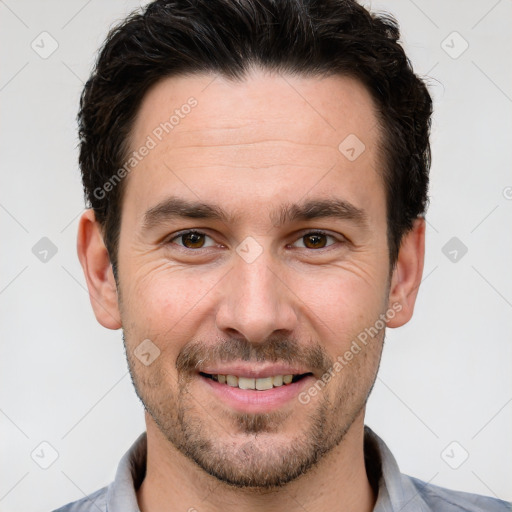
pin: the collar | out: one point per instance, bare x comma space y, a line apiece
395, 492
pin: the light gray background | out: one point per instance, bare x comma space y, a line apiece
445, 377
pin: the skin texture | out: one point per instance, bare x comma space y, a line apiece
252, 148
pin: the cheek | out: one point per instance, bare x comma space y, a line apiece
340, 304
162, 299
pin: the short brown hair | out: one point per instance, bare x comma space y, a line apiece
301, 37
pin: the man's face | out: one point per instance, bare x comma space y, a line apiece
281, 278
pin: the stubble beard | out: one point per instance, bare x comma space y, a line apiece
250, 453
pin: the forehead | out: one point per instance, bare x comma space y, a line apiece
261, 102
269, 134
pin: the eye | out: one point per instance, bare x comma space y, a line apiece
192, 240
314, 240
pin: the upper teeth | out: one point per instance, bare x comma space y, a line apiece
260, 384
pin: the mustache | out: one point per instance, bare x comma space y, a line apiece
274, 349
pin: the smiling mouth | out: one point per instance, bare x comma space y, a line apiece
258, 384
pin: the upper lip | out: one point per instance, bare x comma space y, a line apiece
253, 370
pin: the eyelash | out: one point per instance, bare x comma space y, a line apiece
308, 233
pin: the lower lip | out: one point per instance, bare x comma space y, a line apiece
254, 401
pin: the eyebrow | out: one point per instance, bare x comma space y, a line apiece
322, 208
175, 207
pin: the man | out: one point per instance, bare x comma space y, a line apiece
257, 175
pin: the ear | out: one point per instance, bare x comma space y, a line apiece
406, 278
95, 261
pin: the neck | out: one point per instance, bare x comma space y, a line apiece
337, 482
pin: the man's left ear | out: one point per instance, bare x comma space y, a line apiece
407, 274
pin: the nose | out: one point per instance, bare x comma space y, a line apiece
256, 302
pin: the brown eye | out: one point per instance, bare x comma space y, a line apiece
193, 240
315, 240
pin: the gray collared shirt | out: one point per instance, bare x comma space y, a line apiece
396, 492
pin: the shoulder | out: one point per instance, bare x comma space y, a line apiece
446, 500
95, 502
